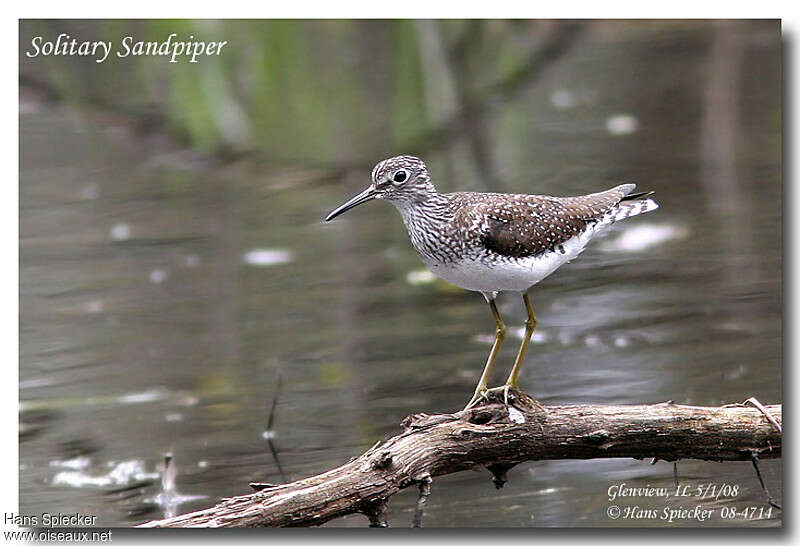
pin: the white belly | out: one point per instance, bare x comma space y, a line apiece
512, 274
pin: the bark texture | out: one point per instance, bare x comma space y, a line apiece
498, 437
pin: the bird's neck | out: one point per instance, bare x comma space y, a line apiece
426, 205
424, 218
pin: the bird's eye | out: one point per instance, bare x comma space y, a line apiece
400, 176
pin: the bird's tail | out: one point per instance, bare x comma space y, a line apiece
634, 204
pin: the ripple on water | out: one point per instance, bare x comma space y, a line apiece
420, 276
562, 99
262, 257
120, 232
642, 236
622, 124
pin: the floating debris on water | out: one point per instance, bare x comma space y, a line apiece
261, 257
80, 479
34, 383
90, 192
78, 463
150, 395
158, 275
539, 337
189, 400
592, 341
622, 124
483, 338
192, 260
736, 373
153, 394
563, 99
420, 276
121, 232
622, 341
122, 473
643, 236
566, 338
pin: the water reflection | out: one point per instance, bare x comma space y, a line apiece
160, 293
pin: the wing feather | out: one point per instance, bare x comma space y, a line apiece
519, 226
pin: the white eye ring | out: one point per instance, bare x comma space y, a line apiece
400, 173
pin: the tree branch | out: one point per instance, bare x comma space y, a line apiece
499, 437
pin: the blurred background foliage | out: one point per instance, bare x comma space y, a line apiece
316, 92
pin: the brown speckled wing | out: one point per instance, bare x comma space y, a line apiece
518, 226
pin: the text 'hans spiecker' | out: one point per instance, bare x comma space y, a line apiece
172, 48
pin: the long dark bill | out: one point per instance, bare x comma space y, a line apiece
366, 195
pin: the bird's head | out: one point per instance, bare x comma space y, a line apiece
401, 180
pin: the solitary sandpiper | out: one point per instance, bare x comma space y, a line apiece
495, 242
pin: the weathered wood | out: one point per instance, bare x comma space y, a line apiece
497, 437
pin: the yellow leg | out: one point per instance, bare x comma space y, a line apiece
530, 324
499, 335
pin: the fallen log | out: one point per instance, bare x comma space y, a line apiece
499, 437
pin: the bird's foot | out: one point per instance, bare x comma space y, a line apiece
486, 394
479, 395
504, 389
511, 396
